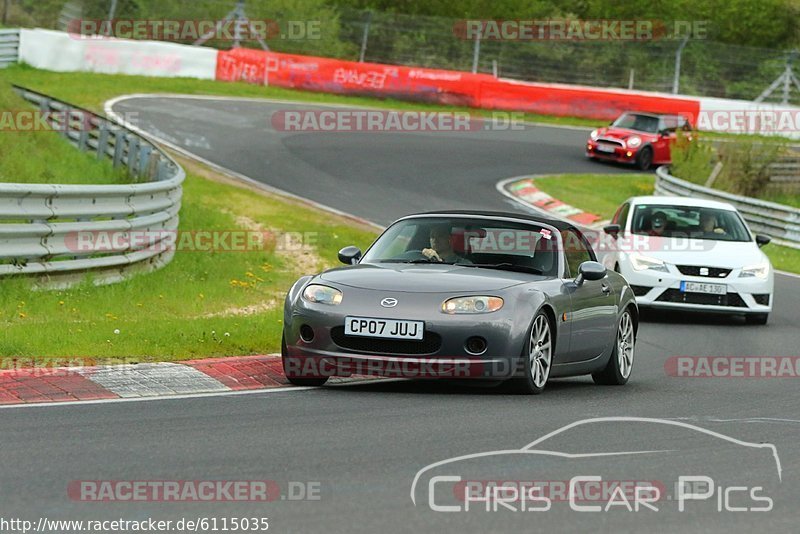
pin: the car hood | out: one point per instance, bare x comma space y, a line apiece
422, 278
700, 252
622, 133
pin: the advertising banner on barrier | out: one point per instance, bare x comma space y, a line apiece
349, 77
440, 86
62, 52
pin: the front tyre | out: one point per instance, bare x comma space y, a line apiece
620, 364
644, 159
291, 374
537, 357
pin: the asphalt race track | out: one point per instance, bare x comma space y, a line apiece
364, 444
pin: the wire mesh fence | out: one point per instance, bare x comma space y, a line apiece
707, 68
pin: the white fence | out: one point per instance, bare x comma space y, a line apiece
9, 47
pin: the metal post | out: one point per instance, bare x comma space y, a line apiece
237, 23
113, 10
476, 53
630, 80
495, 69
676, 80
365, 37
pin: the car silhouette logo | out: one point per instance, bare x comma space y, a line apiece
389, 302
703, 271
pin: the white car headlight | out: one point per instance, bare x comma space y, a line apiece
640, 263
472, 305
760, 271
634, 141
322, 294
594, 134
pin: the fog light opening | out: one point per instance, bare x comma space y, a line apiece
475, 345
306, 333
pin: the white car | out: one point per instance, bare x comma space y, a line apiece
690, 253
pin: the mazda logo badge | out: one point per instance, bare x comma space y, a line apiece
389, 302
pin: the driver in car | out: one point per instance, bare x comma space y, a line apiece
442, 247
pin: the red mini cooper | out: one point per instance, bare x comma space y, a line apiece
638, 138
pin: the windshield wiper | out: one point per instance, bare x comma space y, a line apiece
420, 261
507, 267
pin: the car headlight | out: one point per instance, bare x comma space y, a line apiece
640, 263
322, 294
634, 141
594, 134
760, 271
472, 305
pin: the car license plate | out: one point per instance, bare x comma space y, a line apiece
606, 148
702, 287
386, 328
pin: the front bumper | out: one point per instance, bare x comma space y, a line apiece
620, 155
441, 354
657, 289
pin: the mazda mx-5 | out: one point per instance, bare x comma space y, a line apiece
494, 296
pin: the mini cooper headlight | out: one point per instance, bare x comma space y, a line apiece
634, 141
640, 263
760, 271
594, 134
322, 294
472, 305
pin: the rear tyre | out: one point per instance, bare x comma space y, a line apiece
644, 158
537, 357
297, 381
620, 364
757, 318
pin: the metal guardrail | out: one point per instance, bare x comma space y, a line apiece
9, 47
780, 222
63, 232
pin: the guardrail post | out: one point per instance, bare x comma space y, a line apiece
144, 159
119, 146
133, 152
102, 141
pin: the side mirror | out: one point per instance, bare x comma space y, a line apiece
762, 240
612, 229
350, 255
590, 270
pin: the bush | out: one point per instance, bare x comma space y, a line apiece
692, 160
746, 165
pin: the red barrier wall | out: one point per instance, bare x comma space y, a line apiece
439, 86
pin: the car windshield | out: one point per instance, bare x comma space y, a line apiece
477, 242
688, 221
635, 121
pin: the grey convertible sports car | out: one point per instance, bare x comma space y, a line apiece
494, 296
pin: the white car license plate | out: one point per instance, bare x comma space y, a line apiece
386, 328
702, 287
606, 148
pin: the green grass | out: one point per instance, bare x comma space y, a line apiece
602, 194
200, 305
36, 156
170, 314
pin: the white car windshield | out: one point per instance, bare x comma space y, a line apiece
689, 222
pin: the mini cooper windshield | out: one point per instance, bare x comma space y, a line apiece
485, 243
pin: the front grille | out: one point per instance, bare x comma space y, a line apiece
640, 291
430, 343
694, 270
609, 141
675, 295
761, 298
